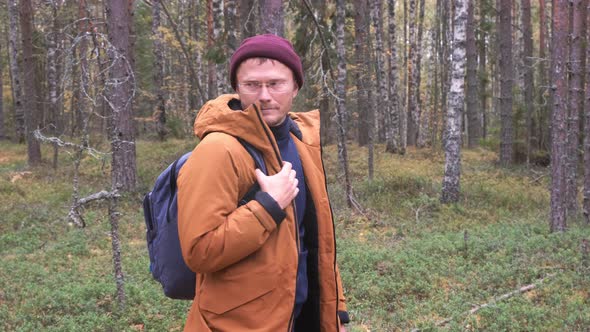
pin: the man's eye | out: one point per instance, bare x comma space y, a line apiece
273, 84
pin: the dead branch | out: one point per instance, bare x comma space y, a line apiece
75, 216
55, 140
495, 300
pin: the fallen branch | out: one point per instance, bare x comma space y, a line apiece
494, 300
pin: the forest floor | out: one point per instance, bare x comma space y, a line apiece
408, 262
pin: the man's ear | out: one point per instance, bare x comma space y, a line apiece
295, 90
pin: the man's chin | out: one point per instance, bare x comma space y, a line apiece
273, 121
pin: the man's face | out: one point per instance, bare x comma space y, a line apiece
276, 88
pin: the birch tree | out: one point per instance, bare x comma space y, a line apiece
392, 133
15, 72
412, 115
586, 147
452, 140
558, 221
382, 93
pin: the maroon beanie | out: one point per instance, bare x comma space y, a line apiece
267, 46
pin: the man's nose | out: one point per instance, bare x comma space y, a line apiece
264, 93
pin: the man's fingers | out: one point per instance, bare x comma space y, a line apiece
259, 175
286, 167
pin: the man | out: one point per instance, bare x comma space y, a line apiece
268, 265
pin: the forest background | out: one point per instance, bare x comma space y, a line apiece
455, 143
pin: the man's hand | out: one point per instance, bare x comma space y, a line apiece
342, 328
282, 187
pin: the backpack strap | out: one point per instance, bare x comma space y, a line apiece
259, 162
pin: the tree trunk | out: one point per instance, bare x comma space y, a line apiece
382, 93
248, 18
120, 95
30, 97
559, 115
220, 57
160, 114
360, 51
506, 82
392, 135
341, 99
52, 77
231, 27
271, 17
420, 121
116, 250
586, 192
576, 100
2, 127
15, 72
211, 73
473, 114
452, 141
412, 115
542, 138
483, 74
528, 74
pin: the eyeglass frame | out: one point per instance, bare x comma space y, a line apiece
258, 86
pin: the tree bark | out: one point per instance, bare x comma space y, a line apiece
220, 56
248, 18
412, 115
2, 126
382, 93
558, 222
421, 122
527, 36
576, 100
360, 48
586, 191
452, 141
271, 17
392, 135
160, 114
15, 72
483, 74
506, 82
341, 99
52, 79
231, 27
543, 140
30, 97
473, 113
120, 95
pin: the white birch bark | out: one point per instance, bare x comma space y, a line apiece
452, 141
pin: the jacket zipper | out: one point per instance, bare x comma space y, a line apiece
290, 327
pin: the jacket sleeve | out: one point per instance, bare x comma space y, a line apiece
213, 231
342, 312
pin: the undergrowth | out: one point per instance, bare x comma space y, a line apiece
407, 261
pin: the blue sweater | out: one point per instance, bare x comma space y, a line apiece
289, 153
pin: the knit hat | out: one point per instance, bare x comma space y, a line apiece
267, 46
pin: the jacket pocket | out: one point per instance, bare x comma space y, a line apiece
220, 294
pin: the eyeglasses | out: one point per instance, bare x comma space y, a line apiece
254, 87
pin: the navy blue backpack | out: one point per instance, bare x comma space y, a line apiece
161, 218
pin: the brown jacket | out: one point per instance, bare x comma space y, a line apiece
247, 265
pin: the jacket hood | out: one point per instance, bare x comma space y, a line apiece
224, 114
